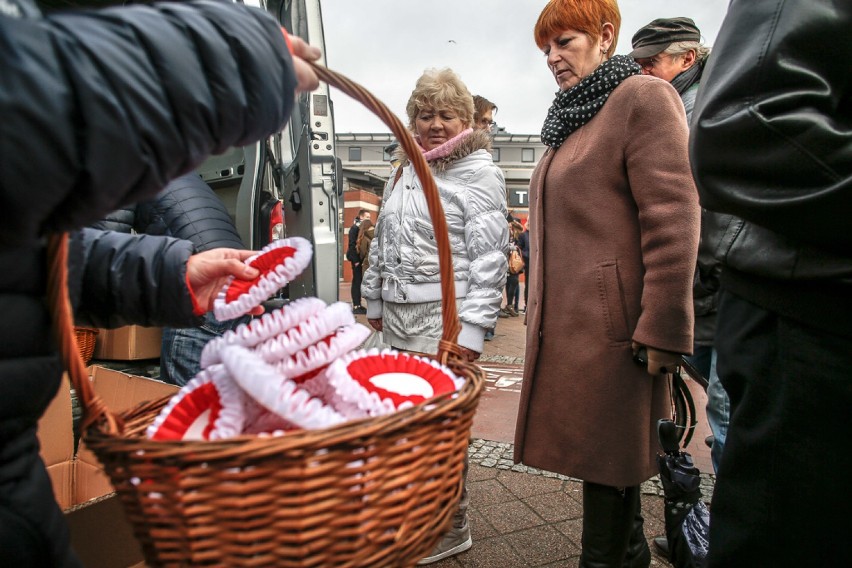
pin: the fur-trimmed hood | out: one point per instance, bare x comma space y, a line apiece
476, 140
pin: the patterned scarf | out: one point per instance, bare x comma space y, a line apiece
575, 107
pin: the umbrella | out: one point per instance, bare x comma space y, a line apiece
687, 518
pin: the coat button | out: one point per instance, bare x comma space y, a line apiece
398, 260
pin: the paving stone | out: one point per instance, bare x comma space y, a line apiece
519, 485
554, 507
543, 545
480, 527
476, 472
573, 529
489, 553
511, 517
489, 492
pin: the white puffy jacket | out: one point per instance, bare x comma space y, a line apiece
404, 258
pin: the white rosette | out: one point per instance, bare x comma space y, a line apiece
275, 392
306, 333
263, 328
211, 406
316, 356
388, 381
276, 272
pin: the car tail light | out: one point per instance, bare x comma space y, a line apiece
276, 222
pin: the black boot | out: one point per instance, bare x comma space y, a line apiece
638, 553
609, 516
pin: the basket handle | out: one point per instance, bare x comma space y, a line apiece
94, 408
449, 313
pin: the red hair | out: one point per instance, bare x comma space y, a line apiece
586, 16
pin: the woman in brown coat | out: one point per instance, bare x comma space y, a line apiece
614, 234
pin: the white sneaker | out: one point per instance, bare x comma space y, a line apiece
456, 541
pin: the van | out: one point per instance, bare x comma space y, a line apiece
291, 183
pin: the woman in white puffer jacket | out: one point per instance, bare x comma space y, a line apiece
402, 285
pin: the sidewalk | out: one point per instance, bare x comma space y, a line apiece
521, 516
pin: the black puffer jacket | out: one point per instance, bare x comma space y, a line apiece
185, 209
771, 142
101, 109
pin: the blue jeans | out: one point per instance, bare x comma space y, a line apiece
718, 403
180, 354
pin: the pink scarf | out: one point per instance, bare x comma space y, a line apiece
446, 148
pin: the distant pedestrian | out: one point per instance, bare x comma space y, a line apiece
354, 258
524, 245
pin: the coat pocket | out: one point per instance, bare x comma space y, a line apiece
611, 297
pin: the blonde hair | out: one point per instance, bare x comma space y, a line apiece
440, 89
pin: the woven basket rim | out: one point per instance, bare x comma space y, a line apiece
342, 433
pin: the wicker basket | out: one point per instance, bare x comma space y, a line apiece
86, 338
376, 492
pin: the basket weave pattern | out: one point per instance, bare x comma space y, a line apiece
86, 338
369, 493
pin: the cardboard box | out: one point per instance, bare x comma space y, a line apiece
129, 343
100, 533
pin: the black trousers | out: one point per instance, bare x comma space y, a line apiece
782, 491
526, 280
512, 282
357, 274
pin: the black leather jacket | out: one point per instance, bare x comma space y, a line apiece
771, 142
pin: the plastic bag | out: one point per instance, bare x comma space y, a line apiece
375, 341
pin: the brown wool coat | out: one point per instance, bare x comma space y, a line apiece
614, 221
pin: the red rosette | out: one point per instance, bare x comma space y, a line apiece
279, 262
303, 364
373, 382
306, 333
209, 407
275, 392
264, 328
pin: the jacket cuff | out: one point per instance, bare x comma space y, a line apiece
197, 309
472, 337
374, 309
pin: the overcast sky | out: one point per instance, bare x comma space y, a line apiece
385, 45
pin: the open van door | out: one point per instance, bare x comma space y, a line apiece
290, 184
307, 168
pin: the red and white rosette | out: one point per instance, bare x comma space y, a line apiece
306, 333
208, 407
261, 329
306, 364
374, 383
279, 262
275, 392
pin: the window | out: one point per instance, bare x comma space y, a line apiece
528, 155
495, 153
354, 153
